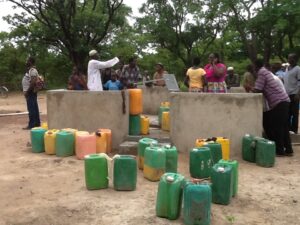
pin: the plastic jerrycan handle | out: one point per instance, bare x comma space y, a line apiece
170, 179
221, 169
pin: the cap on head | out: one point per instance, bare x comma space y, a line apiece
160, 64
230, 68
93, 53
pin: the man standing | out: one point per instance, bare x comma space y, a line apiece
94, 66
232, 80
292, 84
158, 75
130, 74
30, 93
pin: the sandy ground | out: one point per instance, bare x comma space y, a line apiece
39, 189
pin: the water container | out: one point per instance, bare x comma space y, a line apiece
65, 143
165, 104
248, 148
197, 204
225, 147
108, 135
200, 162
125, 173
222, 178
143, 144
155, 163
134, 125
135, 101
96, 171
80, 132
171, 158
215, 151
50, 140
71, 130
101, 142
169, 196
145, 123
37, 139
165, 123
44, 125
85, 145
235, 172
200, 142
265, 153
160, 111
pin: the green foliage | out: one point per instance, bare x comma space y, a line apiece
60, 34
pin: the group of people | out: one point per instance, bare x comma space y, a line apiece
279, 86
101, 76
281, 94
213, 78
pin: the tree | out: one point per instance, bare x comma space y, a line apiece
178, 26
70, 27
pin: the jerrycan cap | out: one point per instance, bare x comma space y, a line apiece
221, 169
168, 146
247, 135
170, 179
270, 142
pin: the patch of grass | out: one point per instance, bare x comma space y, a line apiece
230, 219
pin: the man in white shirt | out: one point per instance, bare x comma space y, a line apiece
94, 76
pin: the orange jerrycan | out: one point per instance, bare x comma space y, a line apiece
101, 142
108, 135
49, 140
145, 123
135, 101
85, 144
225, 143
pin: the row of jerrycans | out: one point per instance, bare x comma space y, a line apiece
67, 141
197, 196
202, 166
155, 160
97, 172
196, 199
259, 150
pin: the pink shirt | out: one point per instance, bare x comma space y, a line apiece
210, 73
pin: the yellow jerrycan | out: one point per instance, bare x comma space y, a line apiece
165, 124
145, 123
49, 140
225, 143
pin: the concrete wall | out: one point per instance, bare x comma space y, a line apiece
236, 90
89, 110
195, 115
152, 97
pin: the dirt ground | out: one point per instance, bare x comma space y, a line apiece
39, 189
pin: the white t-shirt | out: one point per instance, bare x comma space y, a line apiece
94, 76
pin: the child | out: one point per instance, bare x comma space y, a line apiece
113, 84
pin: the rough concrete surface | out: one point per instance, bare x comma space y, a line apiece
198, 115
152, 97
89, 110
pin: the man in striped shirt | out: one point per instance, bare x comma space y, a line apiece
275, 119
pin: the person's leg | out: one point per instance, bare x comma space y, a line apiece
31, 109
37, 122
266, 124
278, 122
286, 134
294, 113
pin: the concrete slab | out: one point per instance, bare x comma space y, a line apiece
199, 115
89, 110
